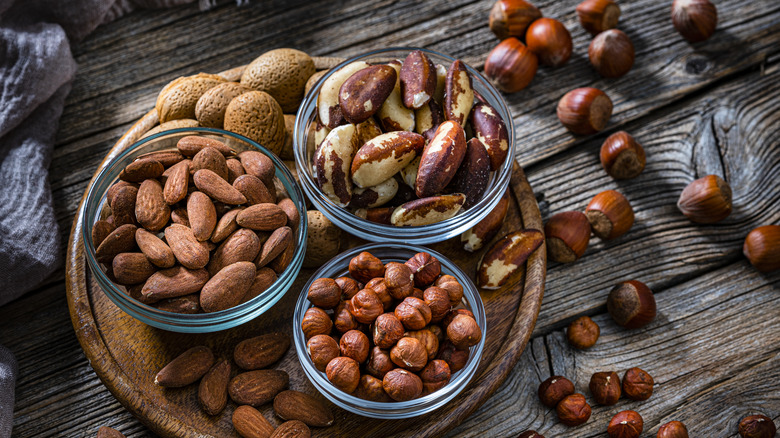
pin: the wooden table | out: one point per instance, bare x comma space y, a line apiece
714, 107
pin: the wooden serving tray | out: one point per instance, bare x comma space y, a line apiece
126, 354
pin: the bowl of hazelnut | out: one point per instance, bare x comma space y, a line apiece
404, 144
389, 330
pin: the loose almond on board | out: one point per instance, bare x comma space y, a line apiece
507, 257
186, 368
296, 405
292, 429
213, 389
250, 423
257, 387
261, 351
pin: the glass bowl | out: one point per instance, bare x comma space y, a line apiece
375, 232
338, 267
202, 322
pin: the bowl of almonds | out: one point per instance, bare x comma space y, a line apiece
195, 230
404, 144
389, 330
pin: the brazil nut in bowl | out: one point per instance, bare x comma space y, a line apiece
404, 345
404, 144
195, 230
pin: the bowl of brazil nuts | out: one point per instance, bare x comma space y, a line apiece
195, 230
389, 330
404, 144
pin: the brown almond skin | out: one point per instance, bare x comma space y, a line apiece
418, 79
225, 226
226, 289
188, 304
131, 268
440, 159
122, 239
487, 228
151, 210
210, 158
242, 246
123, 205
100, 230
296, 405
506, 257
202, 215
262, 217
264, 278
186, 368
174, 282
250, 423
140, 170
472, 176
167, 157
187, 249
176, 185
261, 351
235, 169
217, 188
293, 216
254, 190
363, 93
292, 429
257, 164
258, 387
179, 216
192, 144
279, 240
107, 432
213, 389
283, 260
491, 130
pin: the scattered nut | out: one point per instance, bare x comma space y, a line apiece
625, 424
583, 333
555, 389
637, 384
573, 410
605, 387
631, 304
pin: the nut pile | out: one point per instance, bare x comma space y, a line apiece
390, 140
389, 332
196, 228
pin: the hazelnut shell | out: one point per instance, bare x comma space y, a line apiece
631, 304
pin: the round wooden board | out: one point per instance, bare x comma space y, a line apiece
126, 354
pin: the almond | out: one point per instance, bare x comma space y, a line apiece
167, 158
426, 211
151, 211
174, 282
257, 387
275, 245
481, 233
227, 287
382, 157
361, 95
473, 176
226, 225
254, 190
210, 158
140, 170
440, 159
264, 278
374, 196
283, 260
187, 304
262, 217
506, 257
296, 405
259, 165
235, 169
213, 389
122, 239
328, 108
111, 192
261, 351
202, 215
192, 144
100, 230
132, 268
491, 130
185, 369
291, 210
123, 205
177, 183
418, 79
332, 163
393, 115
186, 248
217, 188
179, 216
458, 93
241, 246
292, 429
250, 423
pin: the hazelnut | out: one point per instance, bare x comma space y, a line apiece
438, 300
409, 353
625, 424
672, 429
399, 280
555, 389
343, 319
425, 269
428, 340
435, 376
706, 200
510, 66
316, 322
695, 20
530, 434
610, 215
379, 363
413, 313
762, 248
380, 289
464, 332
354, 344
631, 304
387, 330
598, 15
455, 358
573, 410
343, 373
757, 426
452, 286
510, 18
370, 388
322, 349
605, 387
349, 287
568, 234
437, 331
453, 313
611, 53
621, 156
417, 293
585, 110
583, 333
637, 384
550, 41
364, 266
324, 293
402, 385
366, 306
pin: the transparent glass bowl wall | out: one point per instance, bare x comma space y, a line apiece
338, 267
197, 323
375, 232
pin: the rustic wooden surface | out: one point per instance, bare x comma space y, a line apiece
714, 349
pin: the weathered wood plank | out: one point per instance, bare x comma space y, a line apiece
713, 351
